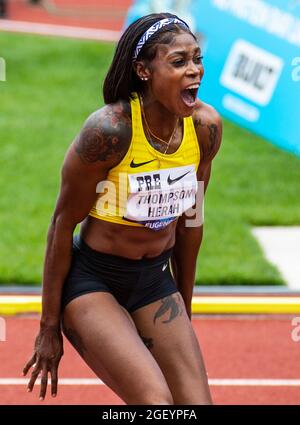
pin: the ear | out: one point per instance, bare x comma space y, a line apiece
142, 71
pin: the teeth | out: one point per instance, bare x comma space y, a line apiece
195, 86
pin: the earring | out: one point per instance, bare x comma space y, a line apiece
144, 78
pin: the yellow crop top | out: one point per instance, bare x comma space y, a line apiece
149, 188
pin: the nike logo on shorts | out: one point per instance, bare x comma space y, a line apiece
165, 266
135, 164
171, 181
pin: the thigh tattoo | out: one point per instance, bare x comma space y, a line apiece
147, 341
170, 304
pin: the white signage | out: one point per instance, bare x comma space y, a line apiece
251, 72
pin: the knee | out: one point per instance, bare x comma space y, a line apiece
202, 400
154, 398
192, 393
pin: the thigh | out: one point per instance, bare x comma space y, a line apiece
107, 339
167, 331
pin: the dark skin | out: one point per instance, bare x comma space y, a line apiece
100, 146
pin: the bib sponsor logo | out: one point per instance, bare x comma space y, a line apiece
148, 182
172, 181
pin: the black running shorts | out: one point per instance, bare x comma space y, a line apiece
134, 283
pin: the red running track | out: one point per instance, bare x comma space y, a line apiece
100, 14
249, 347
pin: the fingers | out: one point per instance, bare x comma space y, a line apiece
54, 381
44, 382
29, 364
43, 371
34, 375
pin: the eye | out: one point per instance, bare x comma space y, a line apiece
198, 59
178, 62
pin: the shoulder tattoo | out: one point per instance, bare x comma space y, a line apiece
212, 137
105, 134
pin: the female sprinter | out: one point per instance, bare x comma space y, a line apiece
130, 178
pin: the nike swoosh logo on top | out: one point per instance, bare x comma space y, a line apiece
135, 164
171, 181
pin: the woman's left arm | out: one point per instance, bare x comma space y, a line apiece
208, 126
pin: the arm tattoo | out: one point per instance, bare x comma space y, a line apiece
95, 144
198, 123
207, 149
213, 137
170, 304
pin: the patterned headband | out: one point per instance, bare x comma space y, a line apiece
152, 30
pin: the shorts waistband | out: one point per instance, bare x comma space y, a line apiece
118, 260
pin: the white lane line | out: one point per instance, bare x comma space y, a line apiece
255, 382
59, 30
63, 381
213, 382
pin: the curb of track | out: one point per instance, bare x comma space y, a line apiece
218, 300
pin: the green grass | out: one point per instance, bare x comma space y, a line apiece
52, 86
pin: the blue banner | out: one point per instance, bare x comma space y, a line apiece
251, 54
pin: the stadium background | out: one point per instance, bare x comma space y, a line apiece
52, 84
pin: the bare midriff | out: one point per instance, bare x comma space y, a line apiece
126, 241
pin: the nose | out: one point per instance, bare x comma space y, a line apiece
195, 69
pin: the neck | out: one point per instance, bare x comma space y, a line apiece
160, 120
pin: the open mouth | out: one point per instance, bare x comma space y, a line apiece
189, 96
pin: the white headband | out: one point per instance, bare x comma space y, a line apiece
152, 30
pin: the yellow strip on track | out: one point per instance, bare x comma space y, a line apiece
246, 304
18, 304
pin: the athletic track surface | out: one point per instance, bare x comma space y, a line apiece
104, 14
250, 359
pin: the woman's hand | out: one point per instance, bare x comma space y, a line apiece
48, 350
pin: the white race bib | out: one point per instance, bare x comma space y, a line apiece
156, 198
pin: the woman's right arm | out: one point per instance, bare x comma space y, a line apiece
100, 145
